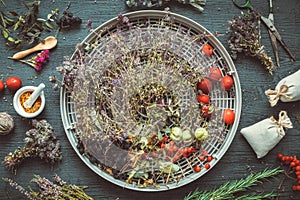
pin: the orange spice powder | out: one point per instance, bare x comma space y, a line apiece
37, 104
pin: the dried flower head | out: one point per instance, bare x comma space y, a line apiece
38, 61
40, 142
245, 37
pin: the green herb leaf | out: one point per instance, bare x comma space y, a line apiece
11, 39
5, 34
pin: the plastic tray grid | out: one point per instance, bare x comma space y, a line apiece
191, 51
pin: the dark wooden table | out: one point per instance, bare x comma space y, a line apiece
239, 158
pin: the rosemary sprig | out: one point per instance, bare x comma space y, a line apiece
228, 190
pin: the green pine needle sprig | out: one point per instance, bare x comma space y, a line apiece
230, 188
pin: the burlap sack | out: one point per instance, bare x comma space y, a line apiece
265, 135
287, 90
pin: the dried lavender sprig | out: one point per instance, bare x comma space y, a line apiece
244, 36
18, 187
49, 190
40, 141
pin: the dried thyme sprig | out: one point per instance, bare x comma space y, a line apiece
244, 36
49, 190
229, 189
40, 141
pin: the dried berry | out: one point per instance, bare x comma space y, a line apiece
294, 163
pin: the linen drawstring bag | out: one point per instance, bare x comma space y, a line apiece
265, 135
287, 90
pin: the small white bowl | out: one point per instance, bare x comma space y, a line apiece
17, 103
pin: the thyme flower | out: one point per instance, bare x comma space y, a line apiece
89, 25
68, 70
40, 142
244, 36
49, 190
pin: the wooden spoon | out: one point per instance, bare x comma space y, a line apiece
48, 43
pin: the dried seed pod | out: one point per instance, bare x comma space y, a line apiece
6, 123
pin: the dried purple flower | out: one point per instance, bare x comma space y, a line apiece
51, 190
68, 70
40, 142
89, 25
245, 37
38, 61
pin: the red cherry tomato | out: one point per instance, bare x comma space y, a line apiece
203, 98
2, 86
207, 166
228, 116
209, 158
205, 85
208, 49
13, 83
197, 168
215, 74
207, 110
226, 82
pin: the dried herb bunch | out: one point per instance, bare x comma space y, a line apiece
198, 4
40, 142
244, 36
49, 190
20, 29
68, 20
135, 93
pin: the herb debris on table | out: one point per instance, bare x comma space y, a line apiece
48, 190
